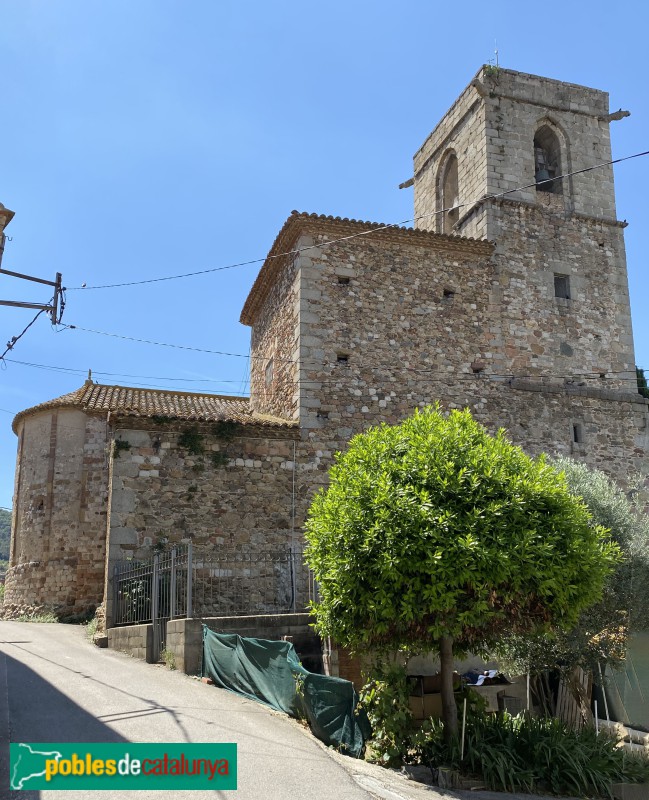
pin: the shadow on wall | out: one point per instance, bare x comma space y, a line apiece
48, 716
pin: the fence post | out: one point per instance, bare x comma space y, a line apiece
293, 589
116, 610
172, 587
155, 605
190, 574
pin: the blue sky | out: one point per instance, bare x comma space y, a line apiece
150, 138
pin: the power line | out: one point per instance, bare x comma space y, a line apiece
14, 339
158, 344
375, 229
327, 364
81, 371
298, 361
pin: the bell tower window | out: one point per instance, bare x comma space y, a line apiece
450, 193
547, 161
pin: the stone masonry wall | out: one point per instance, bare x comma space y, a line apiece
462, 130
59, 529
539, 234
162, 492
274, 351
542, 335
407, 344
491, 128
228, 488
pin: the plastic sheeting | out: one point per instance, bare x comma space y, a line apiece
270, 672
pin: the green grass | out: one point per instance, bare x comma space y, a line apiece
42, 616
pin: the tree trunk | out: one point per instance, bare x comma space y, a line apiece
449, 708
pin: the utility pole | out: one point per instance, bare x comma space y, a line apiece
57, 304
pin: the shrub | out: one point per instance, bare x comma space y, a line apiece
528, 754
385, 699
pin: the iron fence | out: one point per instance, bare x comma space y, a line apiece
251, 581
189, 582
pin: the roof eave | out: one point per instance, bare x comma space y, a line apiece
299, 222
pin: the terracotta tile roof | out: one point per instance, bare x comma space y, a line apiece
337, 228
124, 401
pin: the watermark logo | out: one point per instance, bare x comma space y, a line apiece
123, 765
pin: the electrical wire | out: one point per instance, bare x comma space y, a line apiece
80, 371
14, 339
312, 364
428, 371
373, 230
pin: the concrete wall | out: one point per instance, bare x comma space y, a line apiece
135, 640
185, 637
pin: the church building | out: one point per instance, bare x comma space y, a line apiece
509, 297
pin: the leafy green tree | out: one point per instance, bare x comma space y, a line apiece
601, 632
643, 389
433, 533
5, 534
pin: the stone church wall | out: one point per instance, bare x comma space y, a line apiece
58, 543
227, 489
418, 324
221, 486
274, 345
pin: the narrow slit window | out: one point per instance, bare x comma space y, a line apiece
577, 433
562, 286
269, 372
343, 280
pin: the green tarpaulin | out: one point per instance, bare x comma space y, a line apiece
270, 672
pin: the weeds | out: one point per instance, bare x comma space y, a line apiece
41, 616
169, 658
119, 446
91, 628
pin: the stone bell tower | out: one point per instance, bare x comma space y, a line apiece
561, 283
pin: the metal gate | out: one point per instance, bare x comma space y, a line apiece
154, 591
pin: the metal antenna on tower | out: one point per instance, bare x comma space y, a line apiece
496, 52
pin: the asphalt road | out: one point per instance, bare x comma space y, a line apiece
56, 687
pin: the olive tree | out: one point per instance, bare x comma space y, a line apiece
601, 632
434, 534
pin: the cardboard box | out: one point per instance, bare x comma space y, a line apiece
428, 705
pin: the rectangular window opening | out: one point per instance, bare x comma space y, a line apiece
449, 294
562, 286
342, 358
577, 433
343, 281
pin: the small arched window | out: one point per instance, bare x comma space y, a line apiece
547, 161
450, 193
